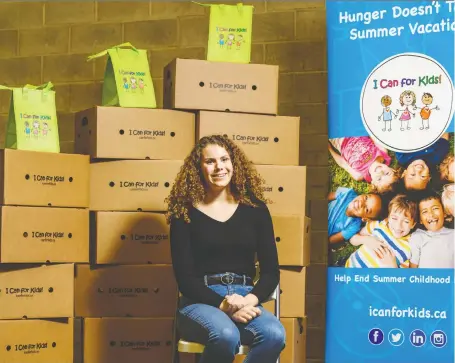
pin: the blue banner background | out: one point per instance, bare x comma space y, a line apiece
348, 320
351, 61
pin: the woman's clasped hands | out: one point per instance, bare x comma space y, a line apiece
240, 309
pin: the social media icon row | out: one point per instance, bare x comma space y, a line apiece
417, 337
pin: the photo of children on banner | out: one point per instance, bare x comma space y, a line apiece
391, 210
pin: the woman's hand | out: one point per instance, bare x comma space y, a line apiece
246, 314
236, 301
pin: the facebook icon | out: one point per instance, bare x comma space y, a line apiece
376, 336
417, 338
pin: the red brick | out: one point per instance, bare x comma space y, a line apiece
286, 88
315, 310
67, 147
5, 101
315, 343
311, 25
280, 5
319, 214
173, 9
65, 127
158, 87
123, 11
21, 15
257, 54
313, 117
316, 280
319, 246
152, 34
20, 71
3, 121
313, 150
49, 40
193, 31
297, 56
67, 68
62, 97
84, 96
8, 43
311, 88
317, 182
94, 38
100, 67
273, 26
64, 12
159, 58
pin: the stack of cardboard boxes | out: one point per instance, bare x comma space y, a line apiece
107, 274
249, 92
135, 157
44, 232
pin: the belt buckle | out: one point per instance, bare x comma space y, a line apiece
229, 279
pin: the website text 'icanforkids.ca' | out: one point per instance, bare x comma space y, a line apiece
409, 312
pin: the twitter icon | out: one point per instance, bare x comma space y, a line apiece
396, 337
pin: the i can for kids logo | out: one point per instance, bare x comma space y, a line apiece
407, 102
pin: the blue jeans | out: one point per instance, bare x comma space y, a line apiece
208, 325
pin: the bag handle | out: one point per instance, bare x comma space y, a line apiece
104, 52
239, 5
44, 87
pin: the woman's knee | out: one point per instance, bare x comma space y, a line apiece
227, 336
274, 334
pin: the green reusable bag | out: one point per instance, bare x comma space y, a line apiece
127, 78
32, 120
230, 30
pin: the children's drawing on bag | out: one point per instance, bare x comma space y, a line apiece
126, 85
425, 110
386, 115
239, 41
407, 99
141, 85
221, 41
230, 41
45, 128
27, 129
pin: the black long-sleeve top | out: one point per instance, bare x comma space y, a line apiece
206, 246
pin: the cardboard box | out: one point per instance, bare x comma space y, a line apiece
125, 340
41, 341
285, 186
293, 289
37, 292
40, 235
43, 179
292, 236
296, 332
68, 290
130, 185
193, 84
118, 291
130, 238
265, 139
134, 133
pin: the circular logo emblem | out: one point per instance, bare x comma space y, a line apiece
438, 338
376, 336
407, 102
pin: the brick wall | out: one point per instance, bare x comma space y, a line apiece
51, 41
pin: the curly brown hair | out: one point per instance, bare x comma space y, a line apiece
188, 189
444, 167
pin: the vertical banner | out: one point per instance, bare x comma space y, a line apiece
390, 295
